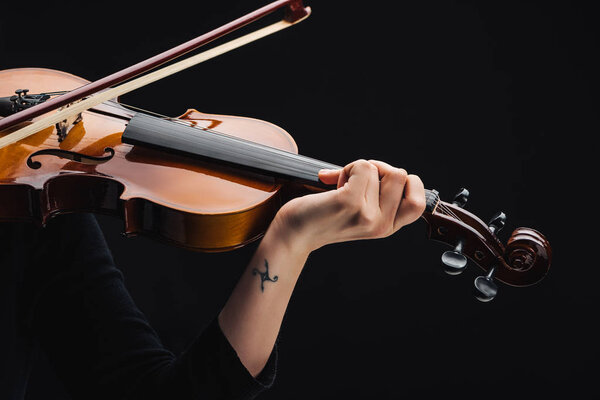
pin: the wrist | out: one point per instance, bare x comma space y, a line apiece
295, 242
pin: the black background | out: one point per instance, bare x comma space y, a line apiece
493, 96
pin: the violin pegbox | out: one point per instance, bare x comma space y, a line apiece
524, 260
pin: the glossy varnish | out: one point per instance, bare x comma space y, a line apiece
176, 194
192, 203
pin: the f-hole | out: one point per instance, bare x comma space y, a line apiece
70, 155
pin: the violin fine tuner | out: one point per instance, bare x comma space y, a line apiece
22, 100
19, 101
522, 262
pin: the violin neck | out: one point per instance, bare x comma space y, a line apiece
179, 137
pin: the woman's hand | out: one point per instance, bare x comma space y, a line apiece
372, 200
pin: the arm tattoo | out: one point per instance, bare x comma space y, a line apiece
264, 276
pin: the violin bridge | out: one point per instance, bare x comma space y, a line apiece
63, 127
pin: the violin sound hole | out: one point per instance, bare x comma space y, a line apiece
70, 155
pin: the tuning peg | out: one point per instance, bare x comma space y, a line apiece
497, 222
455, 262
486, 288
460, 199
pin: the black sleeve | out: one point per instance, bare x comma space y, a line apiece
101, 344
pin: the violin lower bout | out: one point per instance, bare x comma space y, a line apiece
92, 193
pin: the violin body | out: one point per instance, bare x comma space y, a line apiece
200, 181
179, 199
208, 182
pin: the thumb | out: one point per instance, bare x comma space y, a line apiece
329, 176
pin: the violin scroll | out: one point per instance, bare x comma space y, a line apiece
528, 250
524, 260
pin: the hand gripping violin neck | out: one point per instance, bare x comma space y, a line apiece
201, 181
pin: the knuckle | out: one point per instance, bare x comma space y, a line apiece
415, 179
401, 175
361, 162
420, 204
364, 166
416, 205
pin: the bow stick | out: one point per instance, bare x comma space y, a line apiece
295, 13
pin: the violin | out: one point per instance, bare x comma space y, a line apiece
200, 181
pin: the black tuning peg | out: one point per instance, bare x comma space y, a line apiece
460, 199
485, 287
455, 262
497, 222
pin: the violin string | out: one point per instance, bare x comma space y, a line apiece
292, 161
300, 160
289, 163
449, 212
444, 209
441, 206
120, 105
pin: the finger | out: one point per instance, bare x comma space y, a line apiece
361, 180
329, 176
412, 205
391, 188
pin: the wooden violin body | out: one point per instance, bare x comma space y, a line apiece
201, 181
189, 202
206, 182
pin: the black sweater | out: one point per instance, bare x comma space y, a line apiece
61, 293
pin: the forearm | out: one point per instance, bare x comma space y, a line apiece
252, 316
372, 200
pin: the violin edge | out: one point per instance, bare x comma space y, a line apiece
99, 195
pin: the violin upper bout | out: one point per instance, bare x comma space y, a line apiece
200, 120
191, 114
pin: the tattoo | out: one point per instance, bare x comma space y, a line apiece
264, 276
